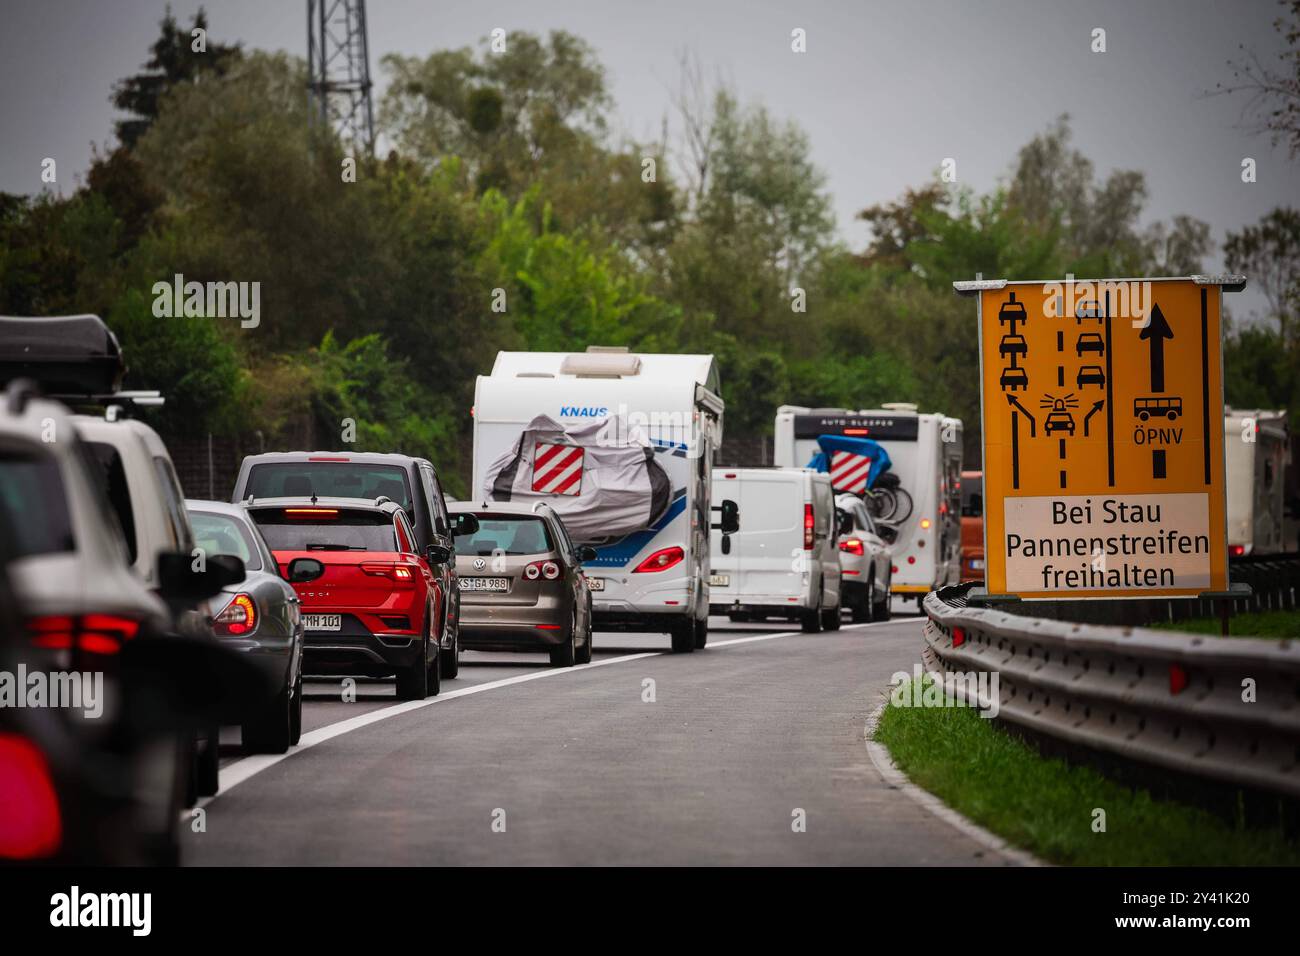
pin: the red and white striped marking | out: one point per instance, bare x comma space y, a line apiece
849, 471
557, 469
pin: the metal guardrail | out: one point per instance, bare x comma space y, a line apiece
1163, 699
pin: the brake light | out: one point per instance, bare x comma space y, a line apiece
661, 560
93, 633
911, 559
856, 431
237, 618
544, 569
853, 546
548, 627
1236, 550
326, 458
807, 527
31, 825
399, 574
300, 514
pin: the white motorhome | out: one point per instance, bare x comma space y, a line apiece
925, 452
1257, 452
638, 418
784, 560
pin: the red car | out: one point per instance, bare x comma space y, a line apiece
371, 603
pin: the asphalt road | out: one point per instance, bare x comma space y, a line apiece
519, 763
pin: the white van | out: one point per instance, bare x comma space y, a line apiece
925, 451
638, 491
785, 560
1257, 453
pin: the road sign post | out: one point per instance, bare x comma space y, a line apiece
1102, 411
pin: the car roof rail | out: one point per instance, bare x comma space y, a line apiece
19, 393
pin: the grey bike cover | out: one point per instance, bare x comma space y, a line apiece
601, 478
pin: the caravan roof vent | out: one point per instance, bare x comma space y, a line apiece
601, 364
899, 406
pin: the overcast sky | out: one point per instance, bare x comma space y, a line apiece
886, 90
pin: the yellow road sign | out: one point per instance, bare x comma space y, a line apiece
1102, 410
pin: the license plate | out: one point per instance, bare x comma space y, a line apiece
595, 584
485, 584
977, 564
719, 580
323, 622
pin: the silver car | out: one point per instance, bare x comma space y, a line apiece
259, 616
865, 560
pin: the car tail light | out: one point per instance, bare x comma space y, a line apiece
94, 633
853, 546
661, 560
548, 627
925, 522
1236, 550
399, 574
31, 825
911, 559
893, 569
807, 527
544, 569
237, 618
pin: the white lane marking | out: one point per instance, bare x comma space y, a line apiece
236, 773
895, 777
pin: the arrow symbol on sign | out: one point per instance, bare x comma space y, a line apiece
1156, 331
1096, 407
1011, 400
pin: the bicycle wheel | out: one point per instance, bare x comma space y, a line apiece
882, 503
902, 506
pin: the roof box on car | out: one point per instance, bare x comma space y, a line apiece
65, 355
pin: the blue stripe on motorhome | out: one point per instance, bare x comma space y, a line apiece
619, 554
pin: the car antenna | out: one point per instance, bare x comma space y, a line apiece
313, 499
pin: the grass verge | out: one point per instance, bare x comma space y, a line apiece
1048, 807
1278, 624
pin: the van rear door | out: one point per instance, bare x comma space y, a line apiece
768, 545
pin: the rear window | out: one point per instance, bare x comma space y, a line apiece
326, 529
222, 534
34, 504
329, 479
112, 479
507, 536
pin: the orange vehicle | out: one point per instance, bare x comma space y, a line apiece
972, 526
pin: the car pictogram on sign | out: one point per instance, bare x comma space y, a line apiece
1090, 342
1090, 375
1014, 378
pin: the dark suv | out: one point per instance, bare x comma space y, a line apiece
410, 482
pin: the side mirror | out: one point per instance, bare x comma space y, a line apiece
730, 520
304, 570
586, 553
465, 524
437, 554
178, 582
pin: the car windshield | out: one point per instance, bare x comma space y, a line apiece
507, 536
329, 479
222, 534
33, 505
326, 529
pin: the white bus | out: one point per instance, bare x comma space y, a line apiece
925, 452
1258, 453
649, 425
